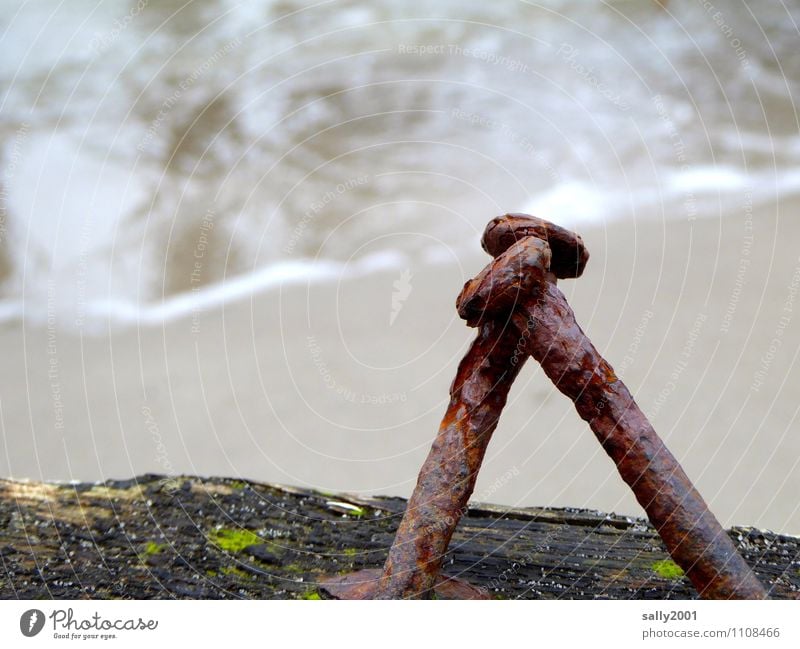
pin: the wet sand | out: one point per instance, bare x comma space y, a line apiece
315, 385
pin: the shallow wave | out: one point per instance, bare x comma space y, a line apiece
157, 162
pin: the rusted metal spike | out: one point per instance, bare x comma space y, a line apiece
695, 539
446, 480
519, 311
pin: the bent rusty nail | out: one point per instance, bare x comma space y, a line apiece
695, 539
447, 478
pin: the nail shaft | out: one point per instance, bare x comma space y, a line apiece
448, 476
477, 397
692, 534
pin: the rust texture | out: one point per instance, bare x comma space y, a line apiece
520, 312
692, 534
447, 478
448, 475
569, 252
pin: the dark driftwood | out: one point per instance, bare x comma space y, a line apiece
185, 537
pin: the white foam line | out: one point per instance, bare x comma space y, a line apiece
236, 288
722, 179
710, 179
580, 203
201, 299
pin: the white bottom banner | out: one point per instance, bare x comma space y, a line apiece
398, 624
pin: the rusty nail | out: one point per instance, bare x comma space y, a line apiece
446, 480
695, 539
519, 287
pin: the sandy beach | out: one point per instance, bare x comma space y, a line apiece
321, 385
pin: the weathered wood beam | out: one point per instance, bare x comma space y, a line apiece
189, 537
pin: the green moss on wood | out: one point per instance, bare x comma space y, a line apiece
310, 594
153, 548
667, 569
234, 541
233, 571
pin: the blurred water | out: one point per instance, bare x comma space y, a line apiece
157, 155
